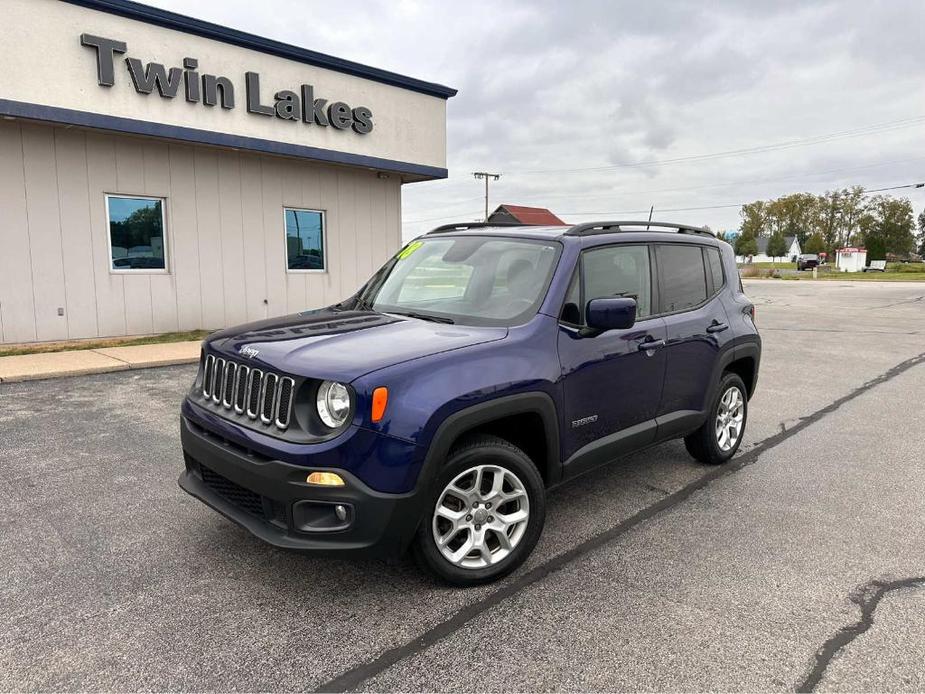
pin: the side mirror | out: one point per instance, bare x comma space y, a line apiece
617, 313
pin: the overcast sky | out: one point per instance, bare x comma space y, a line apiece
830, 93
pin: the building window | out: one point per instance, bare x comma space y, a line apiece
304, 240
137, 242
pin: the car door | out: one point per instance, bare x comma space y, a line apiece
697, 326
611, 383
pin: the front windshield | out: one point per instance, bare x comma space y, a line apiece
474, 280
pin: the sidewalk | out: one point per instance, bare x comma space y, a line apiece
28, 367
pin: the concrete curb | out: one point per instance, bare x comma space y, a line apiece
33, 367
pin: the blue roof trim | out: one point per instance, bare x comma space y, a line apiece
172, 20
68, 116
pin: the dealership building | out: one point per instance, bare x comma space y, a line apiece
159, 173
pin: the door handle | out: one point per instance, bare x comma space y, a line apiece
717, 327
650, 345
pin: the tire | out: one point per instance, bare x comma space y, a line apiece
705, 444
490, 560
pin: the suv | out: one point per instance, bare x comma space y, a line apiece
807, 261
479, 367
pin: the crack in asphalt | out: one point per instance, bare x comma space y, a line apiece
352, 679
867, 597
904, 301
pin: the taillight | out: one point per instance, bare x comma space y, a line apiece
751, 312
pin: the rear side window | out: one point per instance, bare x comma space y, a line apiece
618, 271
714, 262
682, 280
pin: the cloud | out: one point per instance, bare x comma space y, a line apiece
551, 86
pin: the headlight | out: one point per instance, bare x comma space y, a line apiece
333, 403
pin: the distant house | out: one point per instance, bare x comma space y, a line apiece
517, 214
793, 251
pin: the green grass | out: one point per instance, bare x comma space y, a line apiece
771, 266
906, 268
870, 276
98, 344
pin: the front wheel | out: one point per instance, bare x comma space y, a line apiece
486, 514
718, 438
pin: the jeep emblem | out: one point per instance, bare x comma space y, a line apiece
248, 352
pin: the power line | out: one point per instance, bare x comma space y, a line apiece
545, 197
803, 142
908, 185
725, 206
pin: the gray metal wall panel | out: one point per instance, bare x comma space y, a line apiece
76, 240
232, 231
225, 234
184, 235
16, 300
44, 232
255, 270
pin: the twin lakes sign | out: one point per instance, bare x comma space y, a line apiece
214, 90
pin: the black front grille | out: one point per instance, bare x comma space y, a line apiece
243, 498
261, 395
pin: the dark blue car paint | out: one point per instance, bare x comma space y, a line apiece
607, 394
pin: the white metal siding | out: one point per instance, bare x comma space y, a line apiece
225, 234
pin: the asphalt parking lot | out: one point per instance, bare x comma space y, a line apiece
799, 565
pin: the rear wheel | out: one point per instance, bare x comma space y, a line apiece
486, 514
718, 438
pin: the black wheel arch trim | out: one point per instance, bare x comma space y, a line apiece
458, 423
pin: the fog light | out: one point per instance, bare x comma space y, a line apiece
325, 479
341, 512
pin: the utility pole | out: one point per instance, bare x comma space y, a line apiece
486, 175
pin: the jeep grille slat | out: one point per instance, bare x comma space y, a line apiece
267, 414
240, 389
284, 402
259, 395
228, 381
253, 392
218, 380
207, 376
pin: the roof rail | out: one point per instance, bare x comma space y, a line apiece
462, 226
591, 228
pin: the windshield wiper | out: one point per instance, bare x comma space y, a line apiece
423, 316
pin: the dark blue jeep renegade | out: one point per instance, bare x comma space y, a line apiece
482, 365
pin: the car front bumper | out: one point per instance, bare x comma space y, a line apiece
272, 500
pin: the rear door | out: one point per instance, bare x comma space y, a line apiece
690, 277
611, 386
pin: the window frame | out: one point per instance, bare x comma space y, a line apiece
324, 242
713, 290
707, 277
138, 271
580, 272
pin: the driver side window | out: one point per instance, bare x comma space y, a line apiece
621, 270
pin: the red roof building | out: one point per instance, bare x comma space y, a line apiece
516, 214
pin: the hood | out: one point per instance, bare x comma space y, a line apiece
342, 345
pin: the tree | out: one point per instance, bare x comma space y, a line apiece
754, 218
887, 226
746, 245
922, 232
794, 215
851, 208
777, 245
814, 244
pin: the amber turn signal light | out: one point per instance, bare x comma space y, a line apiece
325, 479
380, 401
